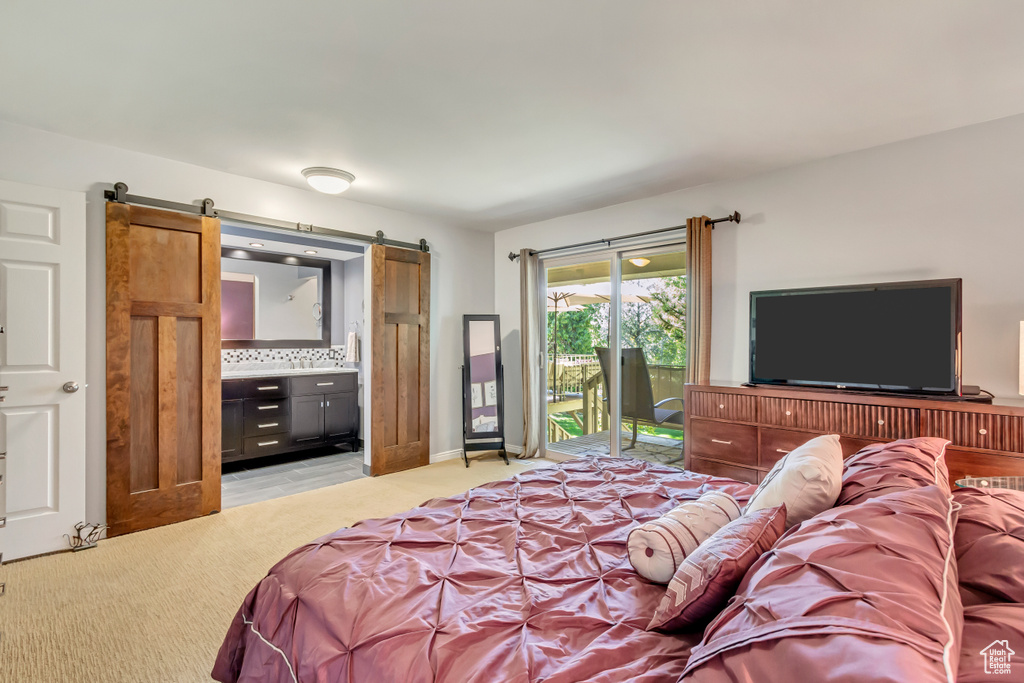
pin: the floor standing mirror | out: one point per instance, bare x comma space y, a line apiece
483, 391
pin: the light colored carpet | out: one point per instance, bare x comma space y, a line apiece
154, 606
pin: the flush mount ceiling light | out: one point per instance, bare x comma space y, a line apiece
311, 251
328, 180
640, 262
255, 244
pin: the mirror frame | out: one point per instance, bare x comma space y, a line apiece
469, 436
287, 259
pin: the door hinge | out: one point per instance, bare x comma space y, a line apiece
3, 589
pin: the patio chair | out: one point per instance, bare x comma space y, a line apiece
637, 394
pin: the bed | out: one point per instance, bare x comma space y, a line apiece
528, 580
520, 580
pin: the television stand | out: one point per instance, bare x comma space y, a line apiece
741, 431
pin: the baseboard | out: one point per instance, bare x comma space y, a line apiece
514, 450
446, 455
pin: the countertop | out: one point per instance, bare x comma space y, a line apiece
275, 370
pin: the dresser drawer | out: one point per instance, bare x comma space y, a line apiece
265, 426
974, 464
718, 469
324, 384
265, 445
976, 430
874, 422
724, 406
263, 409
788, 412
723, 441
775, 443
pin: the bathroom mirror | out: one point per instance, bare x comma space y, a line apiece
483, 390
274, 300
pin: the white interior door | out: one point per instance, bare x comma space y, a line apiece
42, 347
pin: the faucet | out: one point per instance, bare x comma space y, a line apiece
304, 358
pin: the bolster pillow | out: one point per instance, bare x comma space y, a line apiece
658, 547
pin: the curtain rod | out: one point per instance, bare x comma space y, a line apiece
734, 217
205, 208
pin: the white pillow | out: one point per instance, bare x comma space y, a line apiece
657, 547
807, 479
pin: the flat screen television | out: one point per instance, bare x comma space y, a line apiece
892, 337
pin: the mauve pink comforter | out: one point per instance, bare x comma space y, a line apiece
520, 580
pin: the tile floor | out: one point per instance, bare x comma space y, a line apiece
254, 481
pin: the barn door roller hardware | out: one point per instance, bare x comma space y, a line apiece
734, 217
205, 207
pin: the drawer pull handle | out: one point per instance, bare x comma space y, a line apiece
881, 422
267, 388
721, 406
788, 413
266, 443
325, 384
983, 432
269, 424
265, 407
781, 450
724, 443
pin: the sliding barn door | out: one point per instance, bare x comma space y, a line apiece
163, 367
400, 395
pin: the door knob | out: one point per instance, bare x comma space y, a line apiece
70, 387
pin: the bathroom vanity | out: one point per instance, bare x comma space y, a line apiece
267, 412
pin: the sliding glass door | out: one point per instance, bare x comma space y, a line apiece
625, 305
578, 313
653, 352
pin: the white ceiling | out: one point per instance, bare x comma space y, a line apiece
494, 113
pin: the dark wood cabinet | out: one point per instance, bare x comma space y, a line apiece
307, 420
341, 415
267, 416
231, 429
740, 432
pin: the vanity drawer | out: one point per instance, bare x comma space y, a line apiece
262, 410
723, 441
324, 384
259, 387
265, 445
232, 389
261, 425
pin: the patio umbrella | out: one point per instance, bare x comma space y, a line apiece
574, 297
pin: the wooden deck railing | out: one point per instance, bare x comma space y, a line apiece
667, 381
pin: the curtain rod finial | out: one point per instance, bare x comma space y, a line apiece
735, 216
512, 256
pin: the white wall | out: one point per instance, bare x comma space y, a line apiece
461, 274
945, 205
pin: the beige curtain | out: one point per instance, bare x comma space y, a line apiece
531, 328
698, 300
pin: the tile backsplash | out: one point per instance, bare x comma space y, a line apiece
336, 353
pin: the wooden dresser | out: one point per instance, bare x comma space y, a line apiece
740, 432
